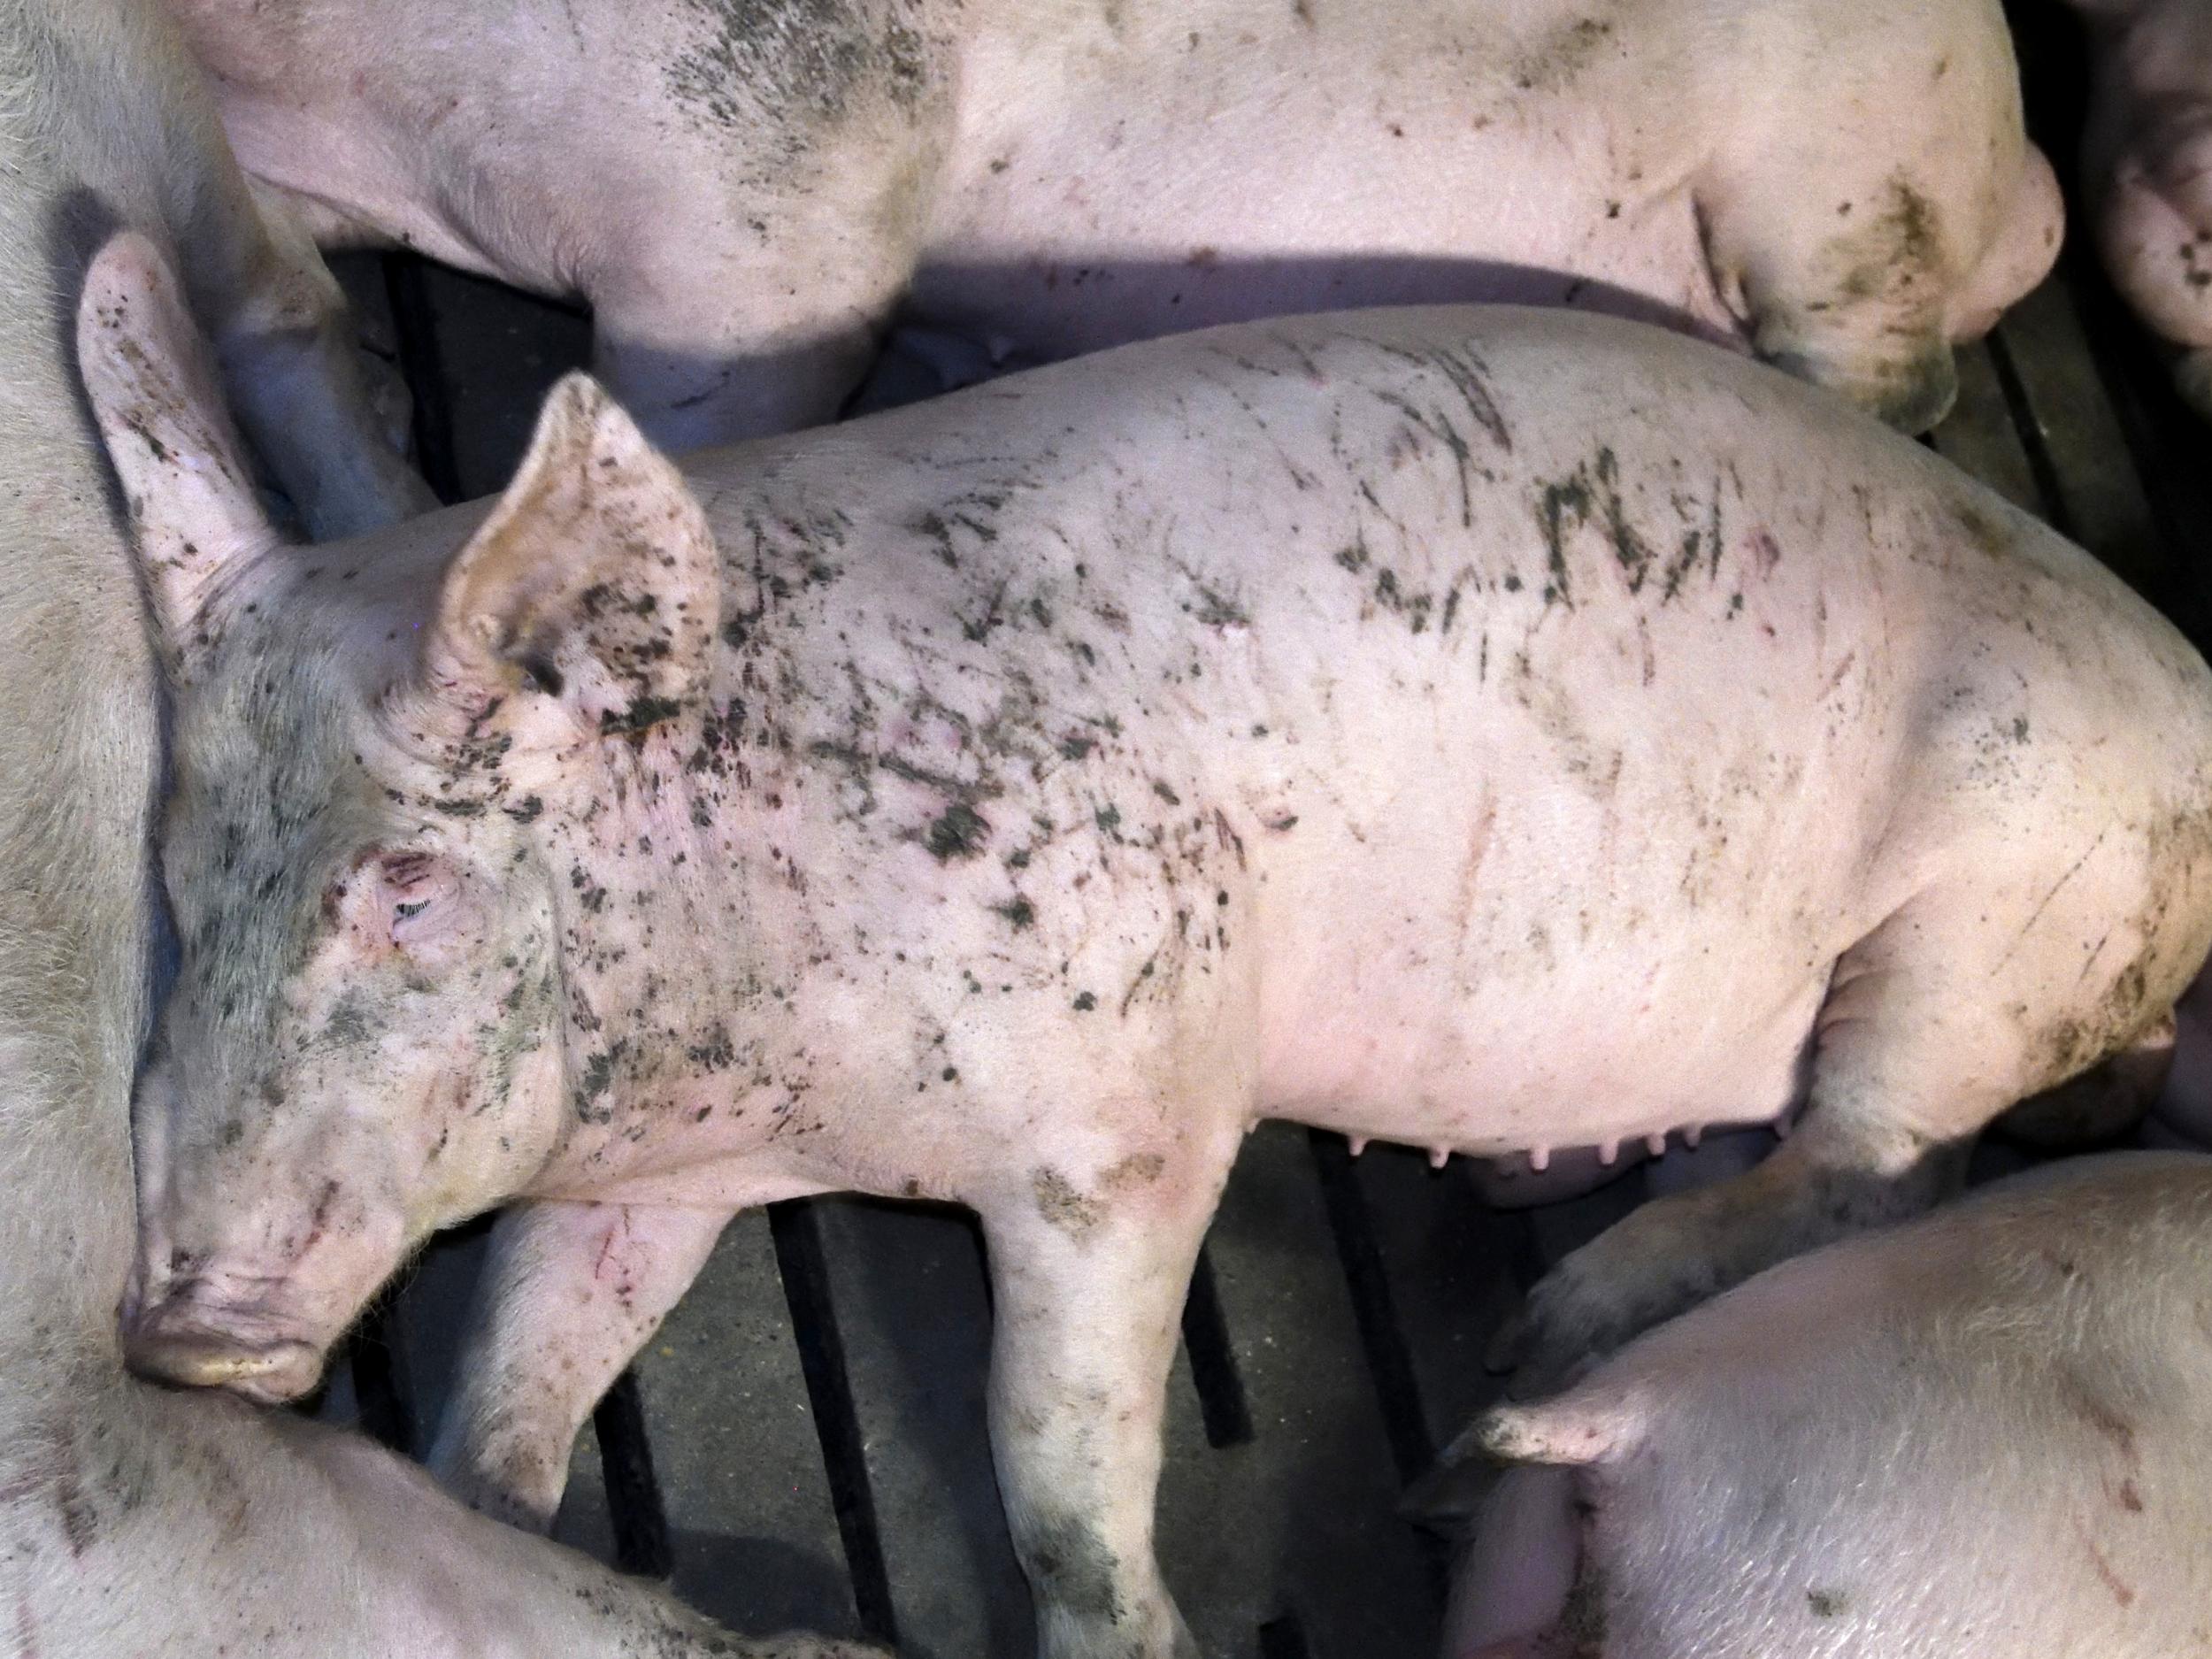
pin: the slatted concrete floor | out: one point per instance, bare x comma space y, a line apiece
803, 1443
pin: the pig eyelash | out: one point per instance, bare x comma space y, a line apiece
404, 870
412, 907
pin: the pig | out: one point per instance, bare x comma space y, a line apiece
135, 1519
2147, 158
747, 192
1980, 1436
1485, 728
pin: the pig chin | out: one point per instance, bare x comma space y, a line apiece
176, 1344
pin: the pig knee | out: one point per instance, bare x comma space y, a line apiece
1909, 381
1092, 1601
516, 1478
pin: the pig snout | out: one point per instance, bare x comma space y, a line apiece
255, 1311
176, 1341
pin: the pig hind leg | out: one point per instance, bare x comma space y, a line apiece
1905, 1072
763, 346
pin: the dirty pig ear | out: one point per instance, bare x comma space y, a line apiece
595, 582
193, 511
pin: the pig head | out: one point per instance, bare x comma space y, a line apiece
361, 1044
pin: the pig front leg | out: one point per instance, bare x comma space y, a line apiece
571, 1292
1088, 1280
292, 370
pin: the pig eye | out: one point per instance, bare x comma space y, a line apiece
539, 674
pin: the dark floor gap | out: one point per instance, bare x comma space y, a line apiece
422, 367
1222, 1405
1389, 1361
800, 1257
641, 1541
2031, 437
382, 1391
2161, 432
1283, 1638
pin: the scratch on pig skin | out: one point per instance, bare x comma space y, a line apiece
2029, 926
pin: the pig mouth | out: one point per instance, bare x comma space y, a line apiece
176, 1344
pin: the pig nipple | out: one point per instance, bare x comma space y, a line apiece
1538, 1159
1691, 1135
1439, 1156
1359, 1145
1608, 1153
1656, 1145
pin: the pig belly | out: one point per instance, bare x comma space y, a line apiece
1581, 1056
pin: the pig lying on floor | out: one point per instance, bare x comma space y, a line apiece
135, 1519
1978, 1437
1485, 729
747, 193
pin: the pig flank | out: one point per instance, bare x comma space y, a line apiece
1982, 1433
1483, 729
134, 1519
748, 192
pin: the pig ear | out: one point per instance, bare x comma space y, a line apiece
193, 511
595, 582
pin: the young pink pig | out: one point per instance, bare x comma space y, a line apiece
1982, 1436
746, 191
1480, 728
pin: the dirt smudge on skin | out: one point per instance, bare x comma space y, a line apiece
1059, 1202
789, 69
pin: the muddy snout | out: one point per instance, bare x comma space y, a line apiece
180, 1339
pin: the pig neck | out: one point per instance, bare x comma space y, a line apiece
680, 943
761, 900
